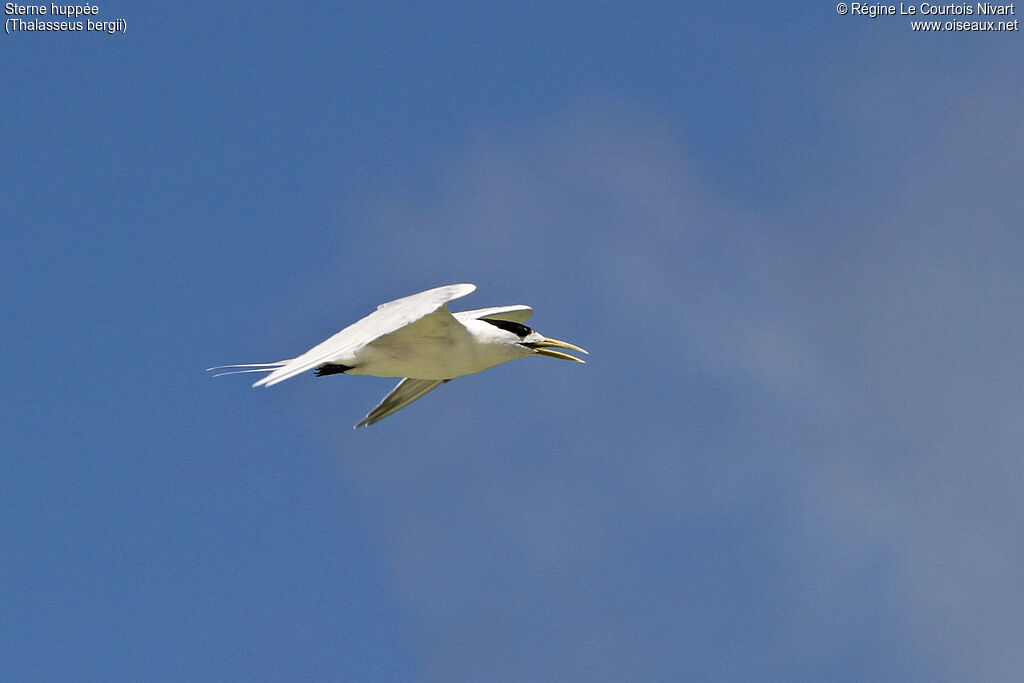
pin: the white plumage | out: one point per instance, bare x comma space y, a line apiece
418, 339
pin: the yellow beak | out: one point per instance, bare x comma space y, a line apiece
544, 349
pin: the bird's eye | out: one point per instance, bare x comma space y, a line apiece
518, 329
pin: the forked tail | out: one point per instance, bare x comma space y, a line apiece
247, 367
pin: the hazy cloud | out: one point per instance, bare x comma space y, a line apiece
796, 448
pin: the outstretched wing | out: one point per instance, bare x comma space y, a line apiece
406, 391
388, 318
519, 313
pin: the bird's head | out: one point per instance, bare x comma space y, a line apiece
532, 342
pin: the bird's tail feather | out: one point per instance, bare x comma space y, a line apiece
247, 367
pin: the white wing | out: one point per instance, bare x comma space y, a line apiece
409, 390
519, 313
388, 318
404, 393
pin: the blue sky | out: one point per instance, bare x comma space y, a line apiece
791, 241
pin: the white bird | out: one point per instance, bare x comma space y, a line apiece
418, 339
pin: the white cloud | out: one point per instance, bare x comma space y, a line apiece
796, 444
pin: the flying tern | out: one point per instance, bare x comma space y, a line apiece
418, 339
